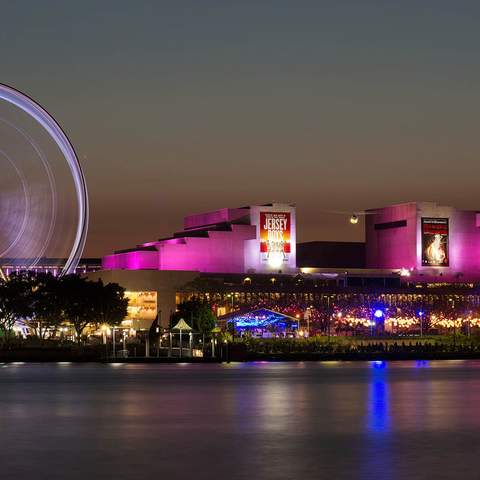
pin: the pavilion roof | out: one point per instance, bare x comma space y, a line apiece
182, 325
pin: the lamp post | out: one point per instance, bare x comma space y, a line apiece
231, 296
214, 333
113, 341
181, 353
308, 312
157, 331
378, 314
454, 323
104, 332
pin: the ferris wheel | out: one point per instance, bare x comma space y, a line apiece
43, 194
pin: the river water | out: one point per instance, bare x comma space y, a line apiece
319, 420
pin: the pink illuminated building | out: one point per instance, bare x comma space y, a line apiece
421, 241
407, 246
254, 239
424, 241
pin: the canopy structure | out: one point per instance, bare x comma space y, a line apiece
262, 321
182, 325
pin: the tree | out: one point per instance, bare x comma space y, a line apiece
206, 321
47, 304
197, 314
109, 303
76, 295
15, 301
85, 302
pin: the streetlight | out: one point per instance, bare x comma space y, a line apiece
420, 314
454, 322
104, 334
306, 316
232, 298
157, 331
378, 314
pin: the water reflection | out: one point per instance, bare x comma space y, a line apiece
263, 421
378, 417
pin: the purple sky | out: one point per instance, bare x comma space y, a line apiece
183, 106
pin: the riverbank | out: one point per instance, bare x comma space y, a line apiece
267, 350
76, 357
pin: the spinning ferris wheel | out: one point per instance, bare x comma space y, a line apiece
43, 194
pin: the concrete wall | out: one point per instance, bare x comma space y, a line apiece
136, 260
219, 252
217, 216
391, 247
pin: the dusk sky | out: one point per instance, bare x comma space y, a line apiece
186, 106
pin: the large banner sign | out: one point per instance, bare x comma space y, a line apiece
435, 242
275, 237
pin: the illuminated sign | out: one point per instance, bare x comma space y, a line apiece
275, 237
435, 242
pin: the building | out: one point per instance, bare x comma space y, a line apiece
254, 239
424, 241
416, 255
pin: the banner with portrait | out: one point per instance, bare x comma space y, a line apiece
435, 252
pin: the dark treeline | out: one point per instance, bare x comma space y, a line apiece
42, 303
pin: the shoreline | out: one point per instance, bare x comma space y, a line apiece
270, 358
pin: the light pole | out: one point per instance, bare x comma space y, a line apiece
378, 314
104, 330
454, 323
181, 353
307, 318
113, 341
157, 330
231, 296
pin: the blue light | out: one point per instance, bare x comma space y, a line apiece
378, 313
420, 314
262, 319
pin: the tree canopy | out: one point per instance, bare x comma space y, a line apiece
43, 302
197, 314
